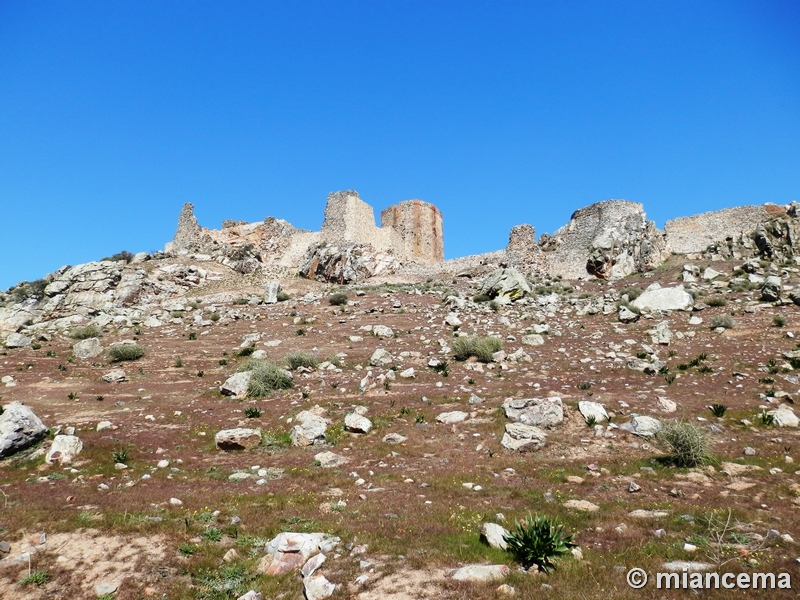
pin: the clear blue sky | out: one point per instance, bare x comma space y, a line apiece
112, 114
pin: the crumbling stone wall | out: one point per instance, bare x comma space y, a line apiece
522, 251
349, 219
609, 239
418, 226
687, 235
189, 234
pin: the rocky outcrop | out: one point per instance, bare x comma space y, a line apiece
609, 240
346, 262
20, 428
189, 235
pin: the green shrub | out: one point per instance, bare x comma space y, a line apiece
241, 301
177, 362
301, 359
718, 410
481, 298
122, 352
28, 289
253, 412
84, 333
481, 347
36, 578
124, 255
725, 321
337, 299
214, 317
283, 296
633, 293
266, 377
686, 444
717, 301
537, 541
246, 351
778, 321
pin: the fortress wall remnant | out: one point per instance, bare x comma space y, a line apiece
189, 233
418, 225
349, 219
522, 251
687, 235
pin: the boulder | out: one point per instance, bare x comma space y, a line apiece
280, 563
381, 358
657, 298
506, 283
523, 438
661, 333
532, 339
271, 291
328, 460
310, 429
542, 412
382, 331
318, 587
305, 544
88, 348
20, 428
771, 289
239, 438
626, 315
114, 376
784, 417
64, 449
346, 262
642, 426
357, 423
236, 385
449, 418
481, 573
581, 505
312, 564
17, 340
593, 409
495, 535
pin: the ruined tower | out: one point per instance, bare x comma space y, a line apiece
419, 227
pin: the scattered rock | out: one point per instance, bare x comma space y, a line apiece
381, 358
449, 418
357, 423
17, 340
542, 412
64, 449
271, 291
238, 439
494, 535
523, 438
656, 298
236, 385
626, 315
784, 416
114, 376
581, 505
506, 283
328, 460
318, 587
642, 426
593, 409
88, 348
20, 428
310, 429
481, 573
772, 288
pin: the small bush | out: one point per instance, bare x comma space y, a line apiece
121, 455
442, 367
717, 301
686, 444
177, 362
122, 352
214, 317
246, 351
301, 359
766, 419
537, 541
481, 298
192, 335
266, 378
778, 321
240, 301
36, 578
337, 299
84, 333
124, 255
718, 410
725, 321
481, 347
253, 412
633, 293
283, 296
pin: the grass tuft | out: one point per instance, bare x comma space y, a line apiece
481, 347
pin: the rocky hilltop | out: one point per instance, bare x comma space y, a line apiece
266, 412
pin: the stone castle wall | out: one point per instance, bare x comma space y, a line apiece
418, 226
687, 235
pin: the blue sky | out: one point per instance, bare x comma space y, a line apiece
112, 114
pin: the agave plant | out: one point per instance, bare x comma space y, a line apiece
538, 540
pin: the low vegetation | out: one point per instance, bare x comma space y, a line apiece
123, 352
686, 444
266, 377
537, 541
481, 347
85, 332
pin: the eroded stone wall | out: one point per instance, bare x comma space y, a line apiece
418, 225
687, 235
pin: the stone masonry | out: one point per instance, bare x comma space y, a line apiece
686, 235
418, 225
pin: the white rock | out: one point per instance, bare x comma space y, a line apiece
593, 409
494, 535
357, 423
663, 299
317, 587
236, 385
64, 449
481, 573
449, 418
381, 358
240, 438
88, 348
328, 460
542, 412
523, 438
